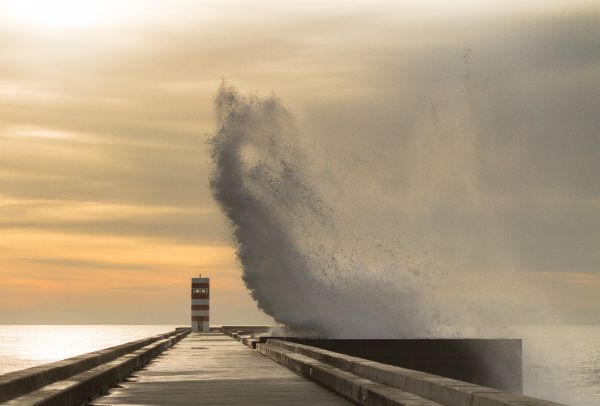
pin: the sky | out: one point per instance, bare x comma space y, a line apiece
106, 107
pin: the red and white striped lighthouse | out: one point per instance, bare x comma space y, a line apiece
200, 303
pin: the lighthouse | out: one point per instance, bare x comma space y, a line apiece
200, 304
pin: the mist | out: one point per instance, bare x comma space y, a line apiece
370, 242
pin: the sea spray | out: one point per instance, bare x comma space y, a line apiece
310, 265
287, 237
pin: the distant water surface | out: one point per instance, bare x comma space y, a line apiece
560, 363
27, 346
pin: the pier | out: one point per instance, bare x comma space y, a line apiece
215, 369
239, 366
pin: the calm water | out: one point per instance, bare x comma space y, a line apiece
26, 346
561, 363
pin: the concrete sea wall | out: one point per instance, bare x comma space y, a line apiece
74, 380
496, 363
372, 383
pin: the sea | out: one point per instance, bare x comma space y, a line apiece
560, 363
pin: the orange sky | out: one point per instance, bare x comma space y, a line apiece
105, 108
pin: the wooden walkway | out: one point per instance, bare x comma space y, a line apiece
214, 369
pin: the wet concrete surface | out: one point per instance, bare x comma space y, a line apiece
214, 369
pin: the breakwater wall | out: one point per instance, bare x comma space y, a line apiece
496, 363
75, 380
368, 382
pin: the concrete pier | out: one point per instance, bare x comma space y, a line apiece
72, 381
495, 363
236, 366
215, 369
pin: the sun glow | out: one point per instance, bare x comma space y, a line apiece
58, 13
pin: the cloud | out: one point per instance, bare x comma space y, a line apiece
133, 105
184, 224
